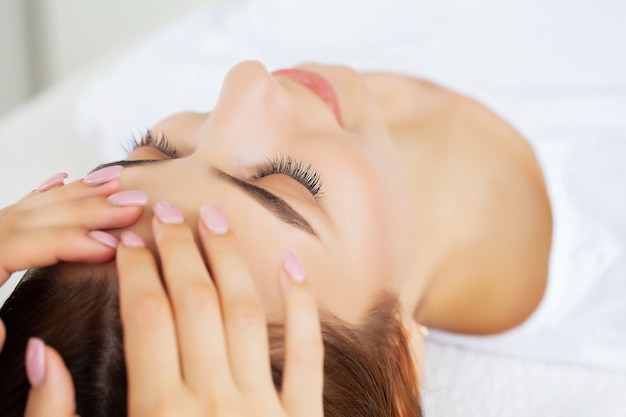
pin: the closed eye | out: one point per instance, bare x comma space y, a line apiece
152, 140
297, 169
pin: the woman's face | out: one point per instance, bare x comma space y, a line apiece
241, 157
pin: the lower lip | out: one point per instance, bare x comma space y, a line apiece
315, 83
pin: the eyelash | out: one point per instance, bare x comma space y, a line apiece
279, 164
160, 143
296, 169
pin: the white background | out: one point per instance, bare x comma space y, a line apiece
43, 41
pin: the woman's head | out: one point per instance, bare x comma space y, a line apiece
240, 157
367, 371
349, 236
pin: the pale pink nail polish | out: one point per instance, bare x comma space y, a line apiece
214, 219
167, 213
52, 182
293, 266
104, 175
132, 240
128, 198
35, 361
104, 238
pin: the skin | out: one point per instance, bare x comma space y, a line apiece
45, 228
426, 194
360, 218
199, 373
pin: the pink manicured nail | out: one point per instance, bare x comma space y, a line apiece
104, 238
168, 213
35, 361
104, 175
52, 182
293, 266
128, 198
214, 219
132, 240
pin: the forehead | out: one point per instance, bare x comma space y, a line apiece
352, 263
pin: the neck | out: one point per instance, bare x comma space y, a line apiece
479, 206
415, 112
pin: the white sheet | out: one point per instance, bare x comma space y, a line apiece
469, 383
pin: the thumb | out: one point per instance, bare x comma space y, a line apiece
52, 390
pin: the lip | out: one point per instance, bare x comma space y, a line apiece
316, 83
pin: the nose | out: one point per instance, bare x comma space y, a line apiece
251, 110
249, 88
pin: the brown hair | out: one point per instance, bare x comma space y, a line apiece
368, 370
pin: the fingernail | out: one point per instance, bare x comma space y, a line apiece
167, 213
35, 361
104, 238
52, 182
214, 219
293, 266
103, 175
128, 198
132, 240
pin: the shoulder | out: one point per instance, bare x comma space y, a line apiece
490, 271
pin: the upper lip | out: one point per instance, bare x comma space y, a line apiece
316, 83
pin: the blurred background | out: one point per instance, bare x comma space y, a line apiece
43, 41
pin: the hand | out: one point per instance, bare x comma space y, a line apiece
52, 392
188, 350
202, 348
54, 223
61, 222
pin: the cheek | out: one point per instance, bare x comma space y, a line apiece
342, 284
261, 241
365, 209
371, 223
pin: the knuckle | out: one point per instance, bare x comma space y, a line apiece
246, 312
221, 248
196, 297
6, 211
171, 236
159, 406
147, 310
306, 300
164, 237
309, 354
12, 216
228, 405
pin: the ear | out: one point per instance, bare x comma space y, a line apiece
415, 335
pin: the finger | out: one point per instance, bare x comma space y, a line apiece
303, 374
52, 390
149, 334
242, 312
117, 211
195, 303
47, 246
54, 181
53, 189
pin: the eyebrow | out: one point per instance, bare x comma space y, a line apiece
129, 163
273, 203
